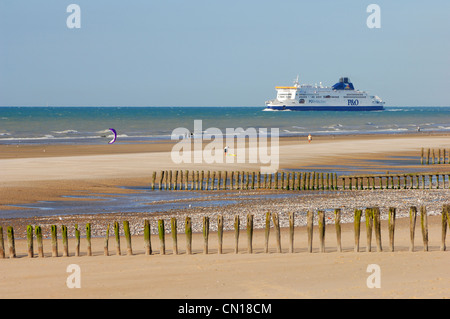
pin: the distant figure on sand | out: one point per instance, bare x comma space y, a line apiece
225, 150
309, 138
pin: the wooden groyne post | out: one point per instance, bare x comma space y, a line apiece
369, 225
291, 231
276, 225
11, 242
357, 228
88, 239
40, 246
126, 230
2, 244
65, 241
337, 222
77, 241
147, 237
220, 232
173, 229
205, 234
106, 243
188, 232
377, 227
162, 237
117, 237
30, 241
250, 233
391, 225
445, 210
309, 229
424, 226
267, 233
236, 233
54, 235
412, 226
321, 222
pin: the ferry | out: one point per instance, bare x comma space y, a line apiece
340, 97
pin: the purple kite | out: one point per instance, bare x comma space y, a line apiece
115, 136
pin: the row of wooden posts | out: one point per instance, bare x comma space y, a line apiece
372, 218
223, 180
396, 181
432, 156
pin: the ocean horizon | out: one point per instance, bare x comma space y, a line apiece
90, 125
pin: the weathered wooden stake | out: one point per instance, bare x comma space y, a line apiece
161, 180
236, 233
276, 180
77, 241
391, 225
147, 238
126, 230
30, 241
65, 241
421, 157
337, 222
54, 232
424, 225
205, 234
357, 227
412, 226
249, 233
321, 222
88, 239
106, 243
162, 237
377, 228
444, 226
369, 226
40, 246
2, 244
220, 232
309, 229
291, 231
117, 237
11, 242
267, 232
276, 226
153, 180
173, 229
188, 232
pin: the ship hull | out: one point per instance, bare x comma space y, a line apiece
325, 108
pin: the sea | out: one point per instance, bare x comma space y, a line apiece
91, 125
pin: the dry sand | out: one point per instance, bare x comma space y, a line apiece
31, 173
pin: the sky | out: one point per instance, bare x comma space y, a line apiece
219, 53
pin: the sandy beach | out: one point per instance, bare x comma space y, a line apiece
33, 173
258, 275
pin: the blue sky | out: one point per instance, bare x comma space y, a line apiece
219, 53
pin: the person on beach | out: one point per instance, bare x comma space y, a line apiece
225, 150
309, 138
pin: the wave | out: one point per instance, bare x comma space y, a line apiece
66, 132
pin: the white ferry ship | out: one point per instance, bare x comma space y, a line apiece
340, 97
